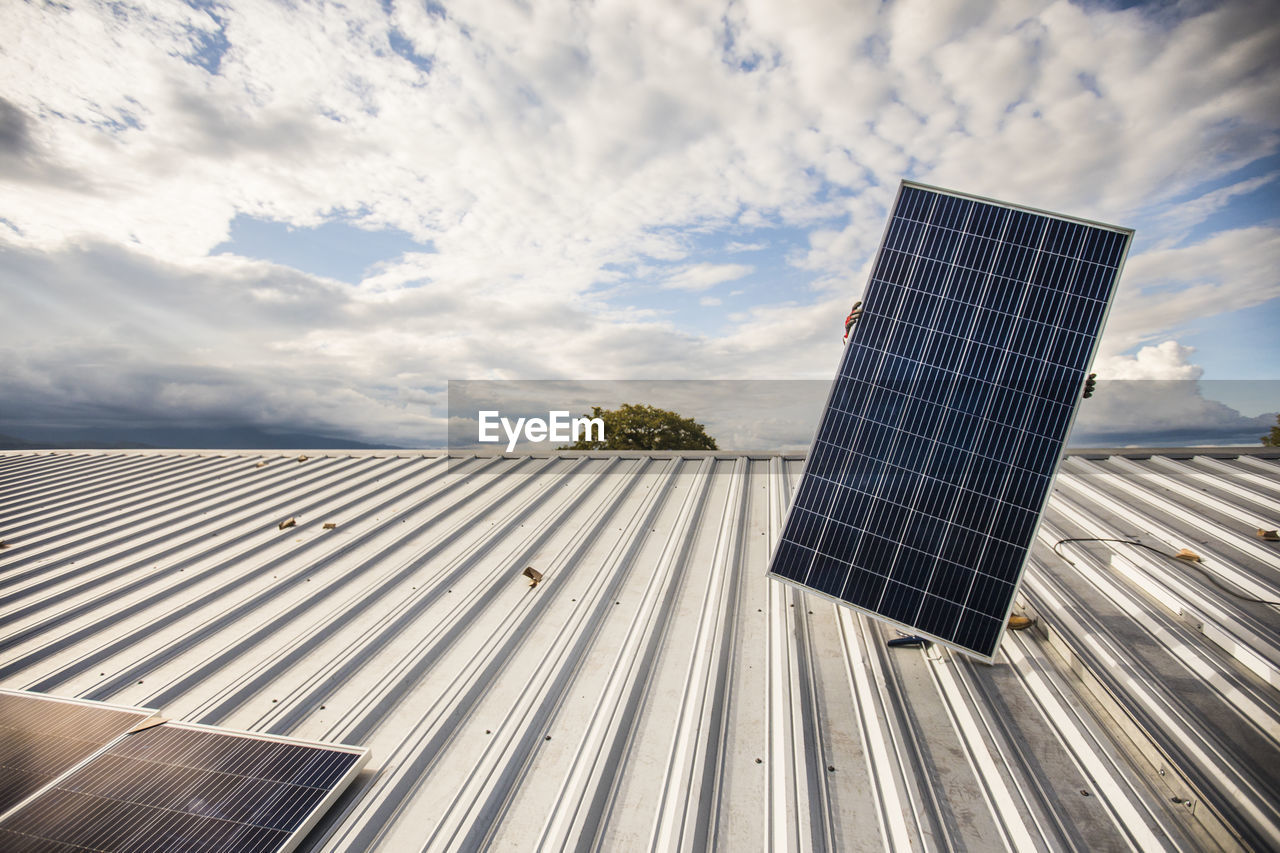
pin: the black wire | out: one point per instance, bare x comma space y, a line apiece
1195, 564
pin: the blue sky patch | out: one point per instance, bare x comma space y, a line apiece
210, 46
772, 280
335, 249
1235, 344
404, 48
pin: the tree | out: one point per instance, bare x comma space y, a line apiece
640, 427
1272, 439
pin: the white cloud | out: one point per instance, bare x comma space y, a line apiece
550, 146
705, 276
1168, 360
1158, 392
1184, 215
104, 332
1156, 398
1146, 113
1165, 288
1163, 413
578, 132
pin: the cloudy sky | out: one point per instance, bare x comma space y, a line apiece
307, 217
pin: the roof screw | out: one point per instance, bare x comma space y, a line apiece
1083, 792
759, 761
548, 737
831, 768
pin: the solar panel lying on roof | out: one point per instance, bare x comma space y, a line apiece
184, 787
42, 737
944, 427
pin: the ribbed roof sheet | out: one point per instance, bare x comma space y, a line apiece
655, 690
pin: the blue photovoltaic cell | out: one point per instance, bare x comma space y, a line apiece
944, 426
43, 737
177, 787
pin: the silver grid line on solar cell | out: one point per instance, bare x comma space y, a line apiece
995, 257
30, 719
185, 786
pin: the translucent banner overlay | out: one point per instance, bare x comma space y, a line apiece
780, 416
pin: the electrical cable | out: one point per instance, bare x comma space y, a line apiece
1209, 575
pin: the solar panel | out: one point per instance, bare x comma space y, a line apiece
42, 737
944, 427
185, 787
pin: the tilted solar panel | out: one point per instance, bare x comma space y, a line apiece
945, 424
183, 787
42, 737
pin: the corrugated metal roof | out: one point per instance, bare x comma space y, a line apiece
656, 690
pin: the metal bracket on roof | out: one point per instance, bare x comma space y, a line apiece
149, 723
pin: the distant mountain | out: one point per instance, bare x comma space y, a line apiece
183, 438
8, 442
